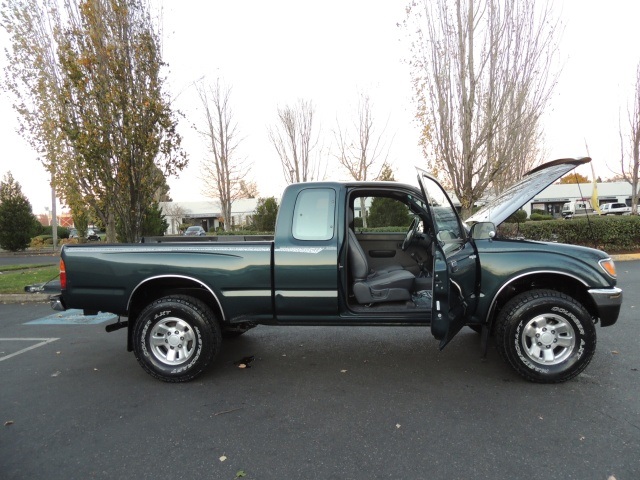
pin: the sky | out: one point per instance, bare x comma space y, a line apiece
273, 53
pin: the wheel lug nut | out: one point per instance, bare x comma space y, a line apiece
181, 338
180, 346
555, 340
537, 335
544, 329
539, 344
553, 331
177, 333
548, 346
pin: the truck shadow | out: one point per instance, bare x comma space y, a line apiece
377, 354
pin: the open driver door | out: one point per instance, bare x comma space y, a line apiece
456, 269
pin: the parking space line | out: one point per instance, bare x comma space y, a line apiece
42, 341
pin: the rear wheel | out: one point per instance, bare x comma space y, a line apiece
546, 336
176, 338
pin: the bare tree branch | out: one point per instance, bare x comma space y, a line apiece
292, 137
482, 79
362, 148
630, 160
223, 173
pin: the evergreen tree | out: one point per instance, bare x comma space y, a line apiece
154, 222
17, 222
387, 212
264, 219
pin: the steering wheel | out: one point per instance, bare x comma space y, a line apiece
411, 233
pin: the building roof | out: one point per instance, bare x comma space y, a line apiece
211, 208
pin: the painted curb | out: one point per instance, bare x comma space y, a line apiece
24, 297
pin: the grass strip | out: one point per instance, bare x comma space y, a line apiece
14, 281
10, 268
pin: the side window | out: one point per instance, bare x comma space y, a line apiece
385, 214
314, 214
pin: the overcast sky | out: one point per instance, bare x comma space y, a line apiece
273, 53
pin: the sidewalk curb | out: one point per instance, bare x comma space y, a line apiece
24, 297
625, 257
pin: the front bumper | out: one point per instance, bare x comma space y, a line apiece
608, 301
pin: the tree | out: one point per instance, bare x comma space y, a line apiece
223, 173
481, 76
17, 222
175, 213
264, 218
90, 96
630, 156
388, 212
154, 223
573, 177
361, 147
292, 137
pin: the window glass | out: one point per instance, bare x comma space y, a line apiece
313, 215
445, 218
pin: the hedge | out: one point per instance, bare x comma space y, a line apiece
610, 233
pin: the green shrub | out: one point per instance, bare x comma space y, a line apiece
519, 217
41, 241
63, 232
537, 217
613, 234
384, 229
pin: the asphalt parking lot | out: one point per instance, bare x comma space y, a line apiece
317, 402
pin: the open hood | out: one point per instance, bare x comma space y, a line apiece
513, 198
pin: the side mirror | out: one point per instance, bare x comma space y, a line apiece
483, 231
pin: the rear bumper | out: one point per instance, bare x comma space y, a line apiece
57, 303
608, 301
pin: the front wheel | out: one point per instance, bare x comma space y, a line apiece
546, 336
176, 338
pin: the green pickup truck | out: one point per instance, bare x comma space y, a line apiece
541, 301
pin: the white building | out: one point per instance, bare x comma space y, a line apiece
207, 214
554, 196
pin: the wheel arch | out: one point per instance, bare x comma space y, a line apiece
153, 288
562, 282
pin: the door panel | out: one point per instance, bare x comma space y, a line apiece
384, 249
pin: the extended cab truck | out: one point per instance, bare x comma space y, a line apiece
540, 300
615, 209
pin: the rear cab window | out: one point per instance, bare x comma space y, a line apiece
314, 214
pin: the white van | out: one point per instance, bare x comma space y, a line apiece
577, 208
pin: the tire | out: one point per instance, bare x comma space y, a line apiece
546, 336
176, 338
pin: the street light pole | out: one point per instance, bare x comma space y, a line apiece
54, 215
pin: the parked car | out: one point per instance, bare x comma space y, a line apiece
91, 234
615, 209
195, 231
